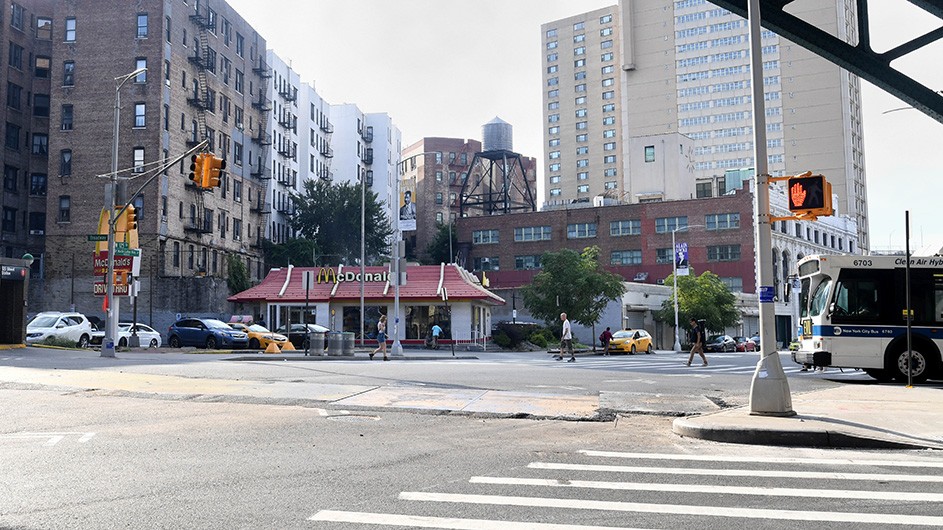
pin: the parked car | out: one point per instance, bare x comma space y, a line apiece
205, 332
631, 341
756, 340
720, 343
146, 334
745, 344
297, 334
73, 327
259, 336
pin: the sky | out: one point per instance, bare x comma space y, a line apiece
446, 67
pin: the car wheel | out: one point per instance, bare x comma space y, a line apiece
174, 341
650, 350
122, 343
83, 341
254, 344
153, 343
633, 350
211, 343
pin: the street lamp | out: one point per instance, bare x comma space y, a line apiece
674, 276
363, 237
111, 312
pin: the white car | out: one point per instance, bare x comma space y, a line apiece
73, 327
146, 334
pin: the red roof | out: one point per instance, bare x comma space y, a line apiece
422, 284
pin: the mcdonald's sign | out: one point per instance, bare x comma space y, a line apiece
330, 275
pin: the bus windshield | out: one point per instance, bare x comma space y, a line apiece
804, 298
820, 296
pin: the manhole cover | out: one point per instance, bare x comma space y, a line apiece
354, 418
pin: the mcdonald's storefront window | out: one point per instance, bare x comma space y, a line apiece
372, 316
421, 318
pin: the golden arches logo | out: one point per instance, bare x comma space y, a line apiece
327, 275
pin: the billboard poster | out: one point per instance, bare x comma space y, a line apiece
407, 211
681, 258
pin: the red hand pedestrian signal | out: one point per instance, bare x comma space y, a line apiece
810, 196
797, 194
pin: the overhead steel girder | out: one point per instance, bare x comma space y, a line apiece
858, 59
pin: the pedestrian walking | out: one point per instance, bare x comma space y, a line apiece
697, 342
381, 338
566, 340
604, 338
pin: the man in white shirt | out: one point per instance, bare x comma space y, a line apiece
566, 340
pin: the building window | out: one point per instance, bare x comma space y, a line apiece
68, 73
583, 188
16, 56
14, 95
580, 230
526, 262
605, 19
555, 192
626, 257
628, 227
43, 28
65, 208
70, 29
237, 229
41, 105
65, 163
649, 153
734, 284
40, 144
532, 233
13, 136
609, 133
703, 190
139, 160
609, 94
491, 263
142, 25
9, 178
139, 113
37, 185
606, 44
485, 237
664, 255
66, 114
723, 253
609, 159
9, 220
722, 221
139, 63
438, 197
578, 26
670, 224
41, 66
582, 175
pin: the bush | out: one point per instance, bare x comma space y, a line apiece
501, 339
538, 339
58, 341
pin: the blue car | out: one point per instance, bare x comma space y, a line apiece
206, 333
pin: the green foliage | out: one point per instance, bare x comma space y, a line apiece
701, 297
298, 252
572, 283
538, 338
328, 215
60, 342
438, 249
501, 338
238, 279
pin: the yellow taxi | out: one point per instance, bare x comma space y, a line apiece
631, 341
259, 336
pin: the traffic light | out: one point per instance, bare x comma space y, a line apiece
121, 224
131, 219
197, 163
213, 167
810, 196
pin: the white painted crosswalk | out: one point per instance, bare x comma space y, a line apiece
665, 490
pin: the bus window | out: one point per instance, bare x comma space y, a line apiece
820, 296
804, 298
855, 300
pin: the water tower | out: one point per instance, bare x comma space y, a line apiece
497, 182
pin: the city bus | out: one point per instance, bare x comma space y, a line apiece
853, 315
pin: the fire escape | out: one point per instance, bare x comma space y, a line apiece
204, 59
262, 139
324, 147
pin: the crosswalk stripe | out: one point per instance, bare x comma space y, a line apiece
451, 523
737, 472
766, 460
713, 489
676, 509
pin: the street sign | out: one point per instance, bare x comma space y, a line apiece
766, 294
122, 263
98, 237
10, 272
119, 290
128, 252
121, 245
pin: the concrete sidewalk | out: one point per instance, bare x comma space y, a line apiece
863, 416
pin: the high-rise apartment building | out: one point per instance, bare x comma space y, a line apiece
686, 71
284, 128
206, 79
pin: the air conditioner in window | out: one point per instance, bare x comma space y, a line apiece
37, 232
640, 277
660, 281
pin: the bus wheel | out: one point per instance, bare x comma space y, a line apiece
898, 366
882, 376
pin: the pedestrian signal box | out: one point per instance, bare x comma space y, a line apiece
810, 196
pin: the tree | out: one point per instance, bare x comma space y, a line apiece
238, 279
572, 283
328, 215
701, 297
296, 251
438, 249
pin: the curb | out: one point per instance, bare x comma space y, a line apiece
276, 357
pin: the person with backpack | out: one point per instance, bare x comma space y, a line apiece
696, 335
604, 339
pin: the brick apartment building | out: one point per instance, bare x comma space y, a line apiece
634, 240
206, 79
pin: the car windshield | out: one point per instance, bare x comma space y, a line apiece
258, 329
622, 334
42, 321
213, 323
716, 338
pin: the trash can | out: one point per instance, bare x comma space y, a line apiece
316, 343
335, 343
348, 343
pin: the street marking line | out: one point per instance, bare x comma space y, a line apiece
86, 437
726, 490
737, 472
451, 523
766, 460
676, 509
52, 438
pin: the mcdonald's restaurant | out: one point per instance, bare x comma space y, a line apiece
446, 295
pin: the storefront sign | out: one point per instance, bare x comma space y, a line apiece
330, 275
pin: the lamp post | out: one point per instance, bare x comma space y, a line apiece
674, 276
363, 238
111, 313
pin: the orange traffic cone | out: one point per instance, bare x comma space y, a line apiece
288, 346
272, 348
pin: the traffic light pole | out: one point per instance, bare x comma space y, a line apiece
769, 391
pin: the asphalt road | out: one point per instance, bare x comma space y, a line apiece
81, 459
